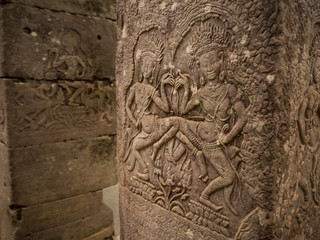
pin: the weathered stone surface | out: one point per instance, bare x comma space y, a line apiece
43, 111
218, 121
5, 180
80, 229
3, 135
101, 8
26, 221
57, 124
159, 225
49, 172
297, 210
41, 44
4, 188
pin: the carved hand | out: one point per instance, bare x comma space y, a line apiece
182, 80
222, 138
137, 124
167, 78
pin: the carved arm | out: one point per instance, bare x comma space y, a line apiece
301, 121
183, 81
162, 102
83, 65
242, 120
128, 109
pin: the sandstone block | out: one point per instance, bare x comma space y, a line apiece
23, 221
81, 229
42, 44
49, 172
43, 111
5, 180
3, 135
84, 224
100, 8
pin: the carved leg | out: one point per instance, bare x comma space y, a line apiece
144, 173
187, 142
178, 153
218, 160
138, 145
314, 183
132, 163
173, 126
203, 167
32, 123
74, 95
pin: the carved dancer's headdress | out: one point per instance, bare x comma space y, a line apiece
71, 38
152, 46
206, 38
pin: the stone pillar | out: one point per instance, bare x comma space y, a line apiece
57, 124
219, 115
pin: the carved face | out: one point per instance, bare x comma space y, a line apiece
147, 67
210, 64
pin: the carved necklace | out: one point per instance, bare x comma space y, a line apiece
223, 97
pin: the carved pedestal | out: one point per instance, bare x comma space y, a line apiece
57, 124
218, 121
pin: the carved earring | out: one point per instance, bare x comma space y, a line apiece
221, 76
153, 76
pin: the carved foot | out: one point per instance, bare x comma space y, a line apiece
130, 167
171, 159
204, 178
209, 204
144, 176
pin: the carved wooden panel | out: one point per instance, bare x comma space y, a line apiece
196, 83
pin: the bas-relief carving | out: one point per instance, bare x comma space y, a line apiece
67, 60
309, 119
299, 182
47, 106
187, 121
179, 137
309, 127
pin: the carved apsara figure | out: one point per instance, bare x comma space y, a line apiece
309, 122
142, 94
150, 127
67, 62
217, 99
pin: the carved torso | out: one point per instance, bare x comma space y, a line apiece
143, 97
312, 116
216, 104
